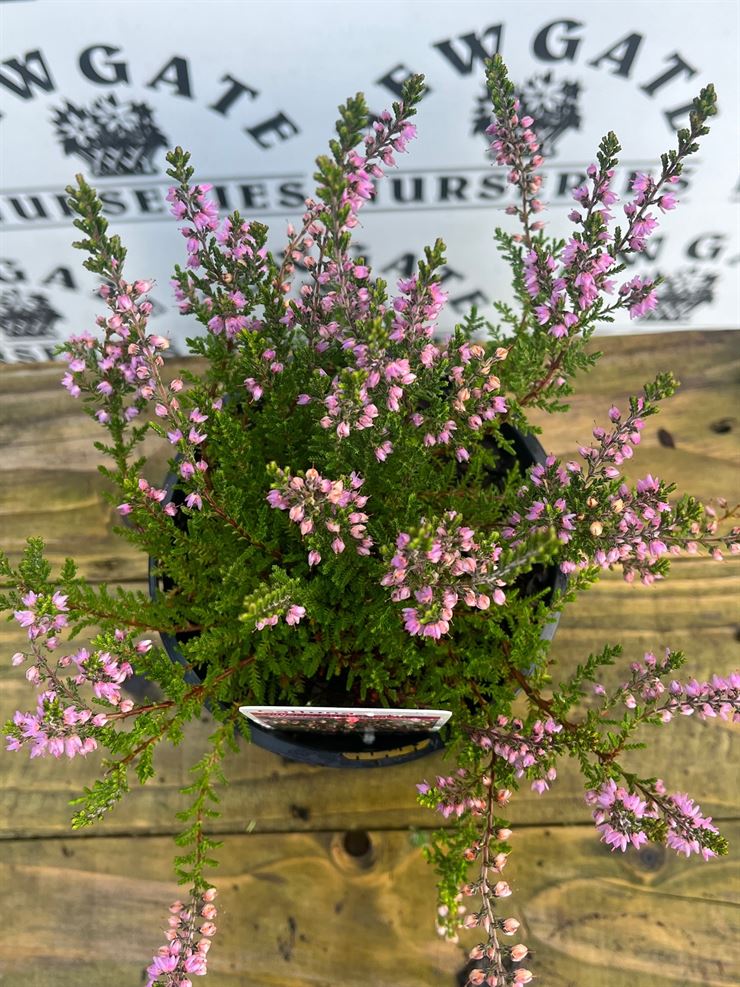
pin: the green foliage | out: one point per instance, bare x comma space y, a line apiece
571, 691
104, 795
191, 865
231, 565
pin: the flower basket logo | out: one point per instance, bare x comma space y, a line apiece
113, 138
28, 316
682, 292
552, 103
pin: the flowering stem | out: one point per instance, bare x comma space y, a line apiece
61, 686
486, 870
197, 691
605, 757
137, 710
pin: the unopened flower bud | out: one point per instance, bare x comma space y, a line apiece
499, 861
596, 528
518, 952
509, 926
503, 834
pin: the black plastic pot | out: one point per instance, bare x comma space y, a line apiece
350, 750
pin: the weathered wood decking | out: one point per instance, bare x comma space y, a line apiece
86, 909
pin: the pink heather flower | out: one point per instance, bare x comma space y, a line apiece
295, 614
411, 620
687, 826
193, 500
124, 509
618, 816
71, 386
523, 976
270, 621
383, 451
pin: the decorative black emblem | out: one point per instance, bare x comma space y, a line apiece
113, 138
26, 315
27, 326
681, 292
552, 103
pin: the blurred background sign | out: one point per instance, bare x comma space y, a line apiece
252, 89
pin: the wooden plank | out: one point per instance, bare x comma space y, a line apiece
50, 487
695, 610
298, 911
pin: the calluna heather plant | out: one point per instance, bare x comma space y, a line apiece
333, 457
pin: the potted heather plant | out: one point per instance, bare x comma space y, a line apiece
350, 503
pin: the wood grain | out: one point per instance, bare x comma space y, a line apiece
296, 908
300, 910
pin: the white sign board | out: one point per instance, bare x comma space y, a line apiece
251, 89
